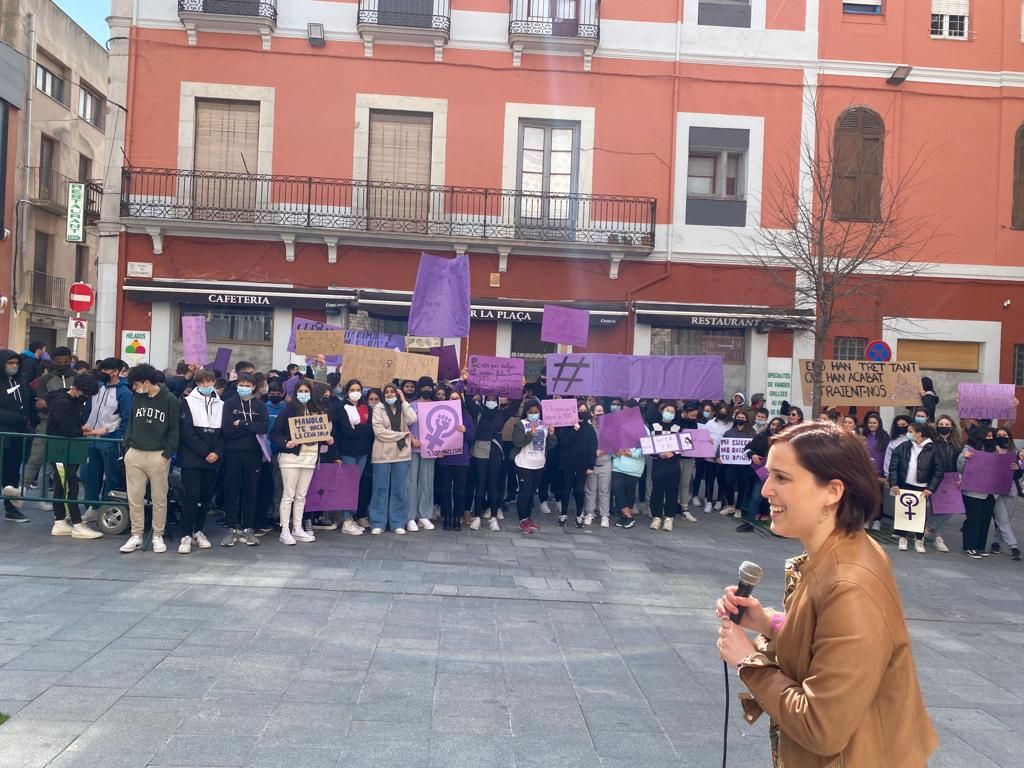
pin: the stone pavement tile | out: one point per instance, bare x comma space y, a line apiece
641, 747
33, 743
294, 757
242, 715
26, 684
62, 703
565, 749
470, 751
55, 656
472, 720
134, 725
178, 677
223, 750
325, 686
99, 627
966, 720
11, 652
26, 632
1001, 747
82, 759
388, 750
10, 706
221, 638
307, 725
112, 668
954, 752
253, 672
309, 603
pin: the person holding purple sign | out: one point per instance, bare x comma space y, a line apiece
392, 452
488, 454
1002, 512
948, 446
978, 506
917, 466
576, 458
532, 441
452, 470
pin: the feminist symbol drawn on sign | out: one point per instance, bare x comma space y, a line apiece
562, 383
440, 423
909, 502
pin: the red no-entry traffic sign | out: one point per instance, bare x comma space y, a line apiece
81, 297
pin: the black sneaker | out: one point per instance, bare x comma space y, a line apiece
744, 528
14, 516
625, 522
1015, 552
561, 520
579, 521
995, 549
973, 554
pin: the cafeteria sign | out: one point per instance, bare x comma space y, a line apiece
76, 213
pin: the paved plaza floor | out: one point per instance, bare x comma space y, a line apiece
568, 649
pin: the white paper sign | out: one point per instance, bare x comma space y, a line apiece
685, 441
77, 328
732, 450
647, 446
909, 511
666, 443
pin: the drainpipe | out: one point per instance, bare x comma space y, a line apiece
26, 160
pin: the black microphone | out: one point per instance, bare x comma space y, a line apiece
750, 577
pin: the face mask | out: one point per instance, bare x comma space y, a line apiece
490, 404
616, 407
245, 392
945, 431
707, 414
302, 397
899, 430
206, 391
12, 371
760, 422
390, 400
1002, 442
141, 389
920, 419
584, 416
741, 423
668, 416
533, 416
275, 398
426, 394
355, 395
723, 417
990, 443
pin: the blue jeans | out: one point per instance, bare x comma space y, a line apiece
750, 509
420, 487
348, 514
388, 505
102, 473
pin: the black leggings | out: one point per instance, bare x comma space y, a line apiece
979, 519
574, 482
665, 474
488, 481
706, 470
529, 479
623, 491
199, 483
736, 481
61, 510
450, 487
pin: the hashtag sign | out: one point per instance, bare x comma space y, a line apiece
568, 372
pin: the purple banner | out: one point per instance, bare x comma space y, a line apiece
334, 487
447, 362
671, 377
947, 499
221, 361
499, 376
620, 430
562, 325
560, 413
193, 338
439, 434
703, 444
986, 401
989, 473
440, 300
376, 340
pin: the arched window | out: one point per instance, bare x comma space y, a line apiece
857, 165
1018, 180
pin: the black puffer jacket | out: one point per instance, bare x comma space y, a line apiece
17, 401
929, 467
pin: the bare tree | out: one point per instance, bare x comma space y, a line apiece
841, 231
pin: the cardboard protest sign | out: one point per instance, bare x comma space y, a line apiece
440, 299
305, 324
413, 365
564, 325
309, 429
732, 450
447, 362
334, 487
499, 376
702, 444
560, 413
193, 338
664, 376
909, 511
859, 382
985, 401
438, 428
313, 343
620, 430
989, 473
947, 499
373, 366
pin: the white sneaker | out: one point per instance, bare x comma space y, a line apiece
411, 526
588, 519
61, 528
475, 525
689, 517
738, 514
352, 528
158, 545
83, 531
501, 515
669, 524
604, 522
718, 506
200, 540
186, 545
707, 508
286, 537
940, 545
425, 524
725, 511
919, 546
91, 515
376, 531
133, 543
655, 523
10, 491
545, 508
299, 534
876, 525
487, 514
494, 524
399, 531
902, 546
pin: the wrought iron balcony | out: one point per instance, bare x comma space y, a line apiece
258, 16
49, 189
49, 290
336, 206
426, 22
546, 25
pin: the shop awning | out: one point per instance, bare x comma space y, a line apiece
722, 315
233, 294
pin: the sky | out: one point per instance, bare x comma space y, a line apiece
91, 15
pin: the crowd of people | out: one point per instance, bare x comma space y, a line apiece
225, 442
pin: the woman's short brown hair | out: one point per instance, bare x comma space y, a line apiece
829, 453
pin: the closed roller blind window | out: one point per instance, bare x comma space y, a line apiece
227, 141
1018, 179
400, 151
940, 355
954, 7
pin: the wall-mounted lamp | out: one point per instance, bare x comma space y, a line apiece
315, 33
900, 74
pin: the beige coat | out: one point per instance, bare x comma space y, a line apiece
385, 442
844, 690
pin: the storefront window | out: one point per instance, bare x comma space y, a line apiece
526, 344
241, 325
728, 343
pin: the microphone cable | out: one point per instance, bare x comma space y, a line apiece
725, 731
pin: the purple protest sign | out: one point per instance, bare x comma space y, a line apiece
989, 473
374, 339
447, 362
439, 422
947, 499
334, 487
620, 430
498, 376
440, 300
702, 442
560, 413
193, 338
985, 401
222, 360
762, 474
563, 325
291, 384
671, 376
305, 324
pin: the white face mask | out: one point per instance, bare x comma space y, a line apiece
355, 396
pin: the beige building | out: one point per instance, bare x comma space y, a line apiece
60, 140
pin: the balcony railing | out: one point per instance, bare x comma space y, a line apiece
264, 9
49, 189
93, 198
408, 209
556, 18
49, 290
413, 14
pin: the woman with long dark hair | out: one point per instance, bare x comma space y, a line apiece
877, 440
1002, 512
392, 452
978, 506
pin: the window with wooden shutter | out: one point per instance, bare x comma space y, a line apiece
858, 156
1017, 219
950, 18
398, 171
226, 149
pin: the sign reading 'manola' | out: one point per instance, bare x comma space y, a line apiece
76, 213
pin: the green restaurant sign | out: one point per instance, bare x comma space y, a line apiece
76, 212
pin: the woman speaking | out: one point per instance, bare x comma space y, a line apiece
835, 670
